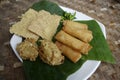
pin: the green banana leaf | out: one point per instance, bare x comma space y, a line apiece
38, 70
100, 50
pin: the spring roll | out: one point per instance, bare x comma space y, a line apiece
72, 42
75, 24
84, 35
71, 54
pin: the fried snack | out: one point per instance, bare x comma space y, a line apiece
70, 53
20, 28
45, 25
84, 35
76, 25
50, 54
28, 49
73, 42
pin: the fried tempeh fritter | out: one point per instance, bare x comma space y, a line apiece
28, 49
50, 54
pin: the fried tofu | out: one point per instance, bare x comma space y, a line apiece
21, 27
45, 25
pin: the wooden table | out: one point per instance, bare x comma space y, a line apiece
106, 11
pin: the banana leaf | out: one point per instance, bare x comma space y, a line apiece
38, 70
100, 50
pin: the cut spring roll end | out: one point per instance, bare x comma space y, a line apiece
71, 54
86, 49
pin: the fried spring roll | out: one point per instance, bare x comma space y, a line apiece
71, 54
75, 24
73, 42
84, 35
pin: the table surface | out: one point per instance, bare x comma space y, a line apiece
105, 11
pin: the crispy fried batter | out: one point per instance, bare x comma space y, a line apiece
50, 54
28, 49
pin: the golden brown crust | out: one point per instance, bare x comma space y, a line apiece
70, 53
73, 42
28, 49
84, 35
50, 54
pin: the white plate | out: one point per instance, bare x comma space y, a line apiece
88, 68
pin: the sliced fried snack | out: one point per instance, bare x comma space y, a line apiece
28, 49
70, 53
84, 35
50, 54
73, 42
